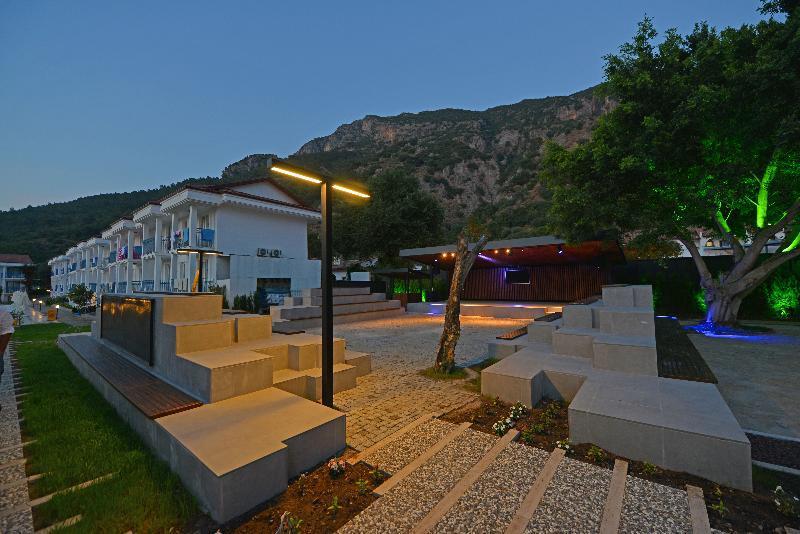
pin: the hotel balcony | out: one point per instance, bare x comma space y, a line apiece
112, 258
204, 238
123, 253
83, 264
148, 246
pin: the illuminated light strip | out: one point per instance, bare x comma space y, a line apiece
287, 172
351, 191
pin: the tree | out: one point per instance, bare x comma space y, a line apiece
465, 258
705, 134
399, 214
80, 295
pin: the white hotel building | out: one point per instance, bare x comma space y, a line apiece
255, 233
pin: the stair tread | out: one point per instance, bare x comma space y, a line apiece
398, 453
652, 507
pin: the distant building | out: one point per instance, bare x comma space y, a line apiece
253, 235
709, 245
12, 275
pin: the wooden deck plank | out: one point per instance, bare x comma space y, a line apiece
461, 487
612, 511
533, 498
151, 395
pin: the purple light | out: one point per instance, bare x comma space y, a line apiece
709, 329
487, 258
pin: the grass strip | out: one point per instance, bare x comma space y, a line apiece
80, 437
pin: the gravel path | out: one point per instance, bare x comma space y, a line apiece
408, 502
651, 507
15, 511
397, 454
574, 499
490, 504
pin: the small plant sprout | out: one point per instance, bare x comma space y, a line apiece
336, 467
786, 503
518, 411
503, 426
720, 508
334, 507
362, 486
564, 444
649, 469
289, 524
377, 475
527, 436
596, 454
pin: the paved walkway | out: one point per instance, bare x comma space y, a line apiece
15, 508
394, 393
758, 377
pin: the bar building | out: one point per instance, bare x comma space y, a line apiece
532, 273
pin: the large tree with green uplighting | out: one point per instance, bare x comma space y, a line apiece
706, 134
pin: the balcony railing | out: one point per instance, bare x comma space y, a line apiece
148, 245
166, 286
122, 254
166, 244
73, 267
147, 285
121, 287
204, 237
83, 264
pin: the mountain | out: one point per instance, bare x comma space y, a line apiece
475, 162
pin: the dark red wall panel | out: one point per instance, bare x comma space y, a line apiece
558, 283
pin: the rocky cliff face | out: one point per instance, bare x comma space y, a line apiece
482, 162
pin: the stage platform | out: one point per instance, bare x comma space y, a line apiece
491, 308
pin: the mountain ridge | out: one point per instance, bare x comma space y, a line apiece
481, 163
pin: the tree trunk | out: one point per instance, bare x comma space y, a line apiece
446, 351
723, 309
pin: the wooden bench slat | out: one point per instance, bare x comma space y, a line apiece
151, 395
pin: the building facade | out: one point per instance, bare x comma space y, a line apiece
12, 274
250, 237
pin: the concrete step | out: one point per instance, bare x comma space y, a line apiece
348, 299
308, 383
236, 454
625, 321
312, 312
216, 374
502, 348
305, 324
542, 331
340, 291
640, 296
360, 360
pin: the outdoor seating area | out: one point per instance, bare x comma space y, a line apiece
602, 359
194, 381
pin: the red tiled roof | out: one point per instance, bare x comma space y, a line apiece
15, 258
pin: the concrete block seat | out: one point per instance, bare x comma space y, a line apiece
677, 424
602, 359
240, 452
289, 362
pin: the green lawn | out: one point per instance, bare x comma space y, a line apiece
79, 437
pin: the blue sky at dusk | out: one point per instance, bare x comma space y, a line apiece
117, 96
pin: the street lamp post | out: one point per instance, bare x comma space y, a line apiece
327, 185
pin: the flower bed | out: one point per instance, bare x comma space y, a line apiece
546, 426
321, 500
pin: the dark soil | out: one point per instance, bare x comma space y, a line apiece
743, 511
775, 451
309, 498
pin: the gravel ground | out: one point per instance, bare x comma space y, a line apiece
490, 504
399, 453
650, 507
574, 499
408, 502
